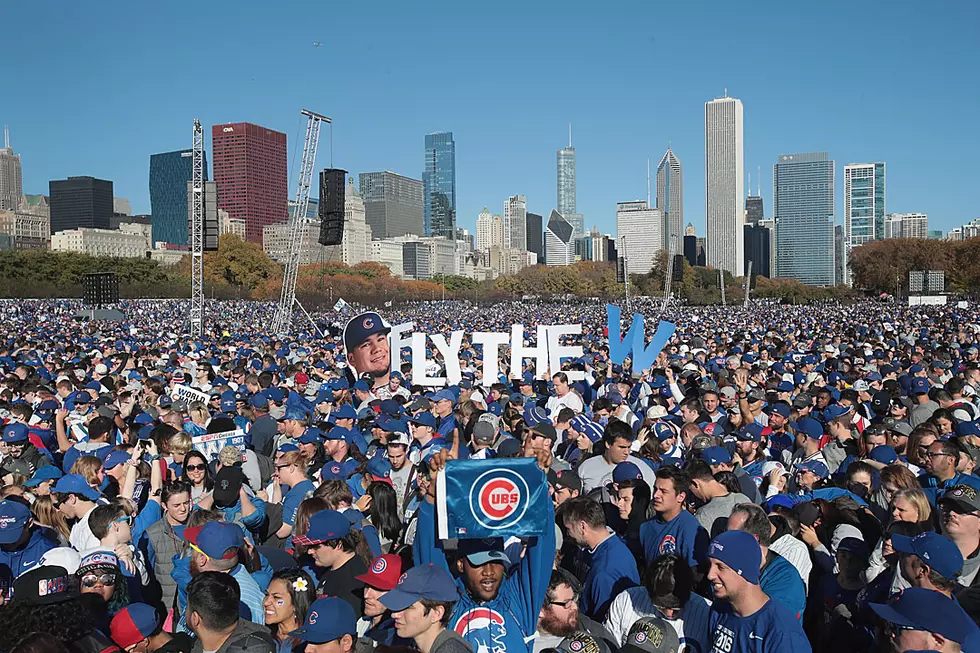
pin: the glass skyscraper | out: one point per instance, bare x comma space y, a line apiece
864, 205
803, 207
439, 181
670, 199
169, 174
566, 178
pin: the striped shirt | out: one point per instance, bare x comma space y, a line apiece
797, 554
692, 625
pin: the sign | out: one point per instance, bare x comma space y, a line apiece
211, 444
189, 394
961, 304
340, 305
633, 344
491, 498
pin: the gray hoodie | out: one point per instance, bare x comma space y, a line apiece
246, 638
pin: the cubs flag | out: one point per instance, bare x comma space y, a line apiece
340, 305
491, 498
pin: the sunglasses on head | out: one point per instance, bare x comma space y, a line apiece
106, 580
197, 468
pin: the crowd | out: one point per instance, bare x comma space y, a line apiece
783, 478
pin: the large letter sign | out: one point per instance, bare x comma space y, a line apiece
633, 344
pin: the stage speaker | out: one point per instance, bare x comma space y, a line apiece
678, 268
331, 208
620, 271
100, 289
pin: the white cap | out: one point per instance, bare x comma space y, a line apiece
61, 556
770, 466
101, 369
656, 412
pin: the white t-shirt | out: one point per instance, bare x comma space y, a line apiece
81, 537
570, 400
596, 472
692, 627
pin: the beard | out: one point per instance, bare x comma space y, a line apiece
551, 624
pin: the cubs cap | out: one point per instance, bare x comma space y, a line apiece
814, 466
582, 642
44, 473
325, 526
480, 552
75, 484
16, 432
750, 433
361, 327
937, 551
626, 470
483, 432
740, 551
422, 582
424, 419
98, 560
651, 635
384, 572
13, 518
565, 478
964, 497
328, 619
216, 538
716, 455
929, 611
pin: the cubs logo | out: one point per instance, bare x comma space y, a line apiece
668, 545
477, 619
640, 637
379, 565
499, 498
368, 323
576, 645
402, 578
311, 619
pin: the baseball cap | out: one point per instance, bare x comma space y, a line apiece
728, 391
361, 327
328, 619
656, 412
816, 467
938, 551
780, 408
716, 455
626, 470
379, 469
920, 386
582, 642
325, 526
215, 538
883, 453
740, 551
311, 435
831, 413
565, 478
770, 466
13, 518
228, 404
750, 433
45, 473
964, 497
861, 385
802, 400
15, 432
44, 586
544, 430
422, 582
75, 484
61, 556
424, 419
664, 431
534, 415
480, 552
133, 624
227, 485
927, 610
810, 426
483, 432
444, 395
651, 635
97, 560
117, 457
384, 572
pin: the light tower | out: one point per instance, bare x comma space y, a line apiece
197, 232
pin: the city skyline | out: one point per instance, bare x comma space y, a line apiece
505, 148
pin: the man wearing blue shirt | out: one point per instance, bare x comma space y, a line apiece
743, 617
940, 464
291, 471
613, 566
673, 529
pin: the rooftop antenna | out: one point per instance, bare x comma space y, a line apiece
759, 181
569, 135
648, 182
6, 137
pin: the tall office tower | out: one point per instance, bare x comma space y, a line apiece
691, 249
515, 223
639, 235
803, 207
169, 174
393, 204
724, 184
250, 172
439, 185
80, 202
566, 178
489, 230
770, 225
559, 241
907, 225
11, 182
670, 198
535, 235
864, 206
757, 249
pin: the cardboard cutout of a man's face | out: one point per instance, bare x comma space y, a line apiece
366, 343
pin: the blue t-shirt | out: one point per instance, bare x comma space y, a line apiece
613, 570
935, 489
682, 535
771, 629
782, 582
295, 496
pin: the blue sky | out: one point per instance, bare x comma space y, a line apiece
96, 87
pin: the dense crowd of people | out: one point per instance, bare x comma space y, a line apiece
782, 478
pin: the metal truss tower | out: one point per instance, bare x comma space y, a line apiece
282, 322
197, 232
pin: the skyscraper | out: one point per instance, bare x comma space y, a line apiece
723, 184
169, 174
80, 202
864, 206
535, 235
515, 223
566, 177
639, 235
439, 185
489, 230
907, 225
250, 174
393, 204
559, 241
11, 184
670, 199
803, 207
757, 249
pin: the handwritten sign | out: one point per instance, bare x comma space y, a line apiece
189, 394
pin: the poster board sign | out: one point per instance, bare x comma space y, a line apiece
189, 394
212, 443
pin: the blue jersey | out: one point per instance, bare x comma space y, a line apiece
295, 496
935, 489
504, 624
15, 562
754, 470
772, 629
613, 570
682, 535
782, 582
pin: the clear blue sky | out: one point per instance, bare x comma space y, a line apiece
93, 88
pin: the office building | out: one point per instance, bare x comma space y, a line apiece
389, 253
803, 207
595, 246
864, 205
757, 244
415, 260
121, 206
670, 199
80, 202
770, 225
439, 185
129, 241
691, 249
754, 210
639, 235
935, 234
515, 223
11, 179
566, 178
907, 225
840, 254
724, 184
577, 220
250, 172
25, 230
229, 225
535, 235
559, 241
393, 204
489, 230
170, 172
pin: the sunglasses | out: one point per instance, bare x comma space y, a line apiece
123, 520
197, 468
106, 580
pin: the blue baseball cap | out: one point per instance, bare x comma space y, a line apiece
345, 411
362, 386
340, 433
287, 447
142, 419
750, 433
920, 386
937, 551
422, 582
480, 552
534, 415
44, 473
75, 484
716, 456
310, 436
166, 401
816, 467
883, 453
259, 400
295, 413
328, 619
391, 407
740, 551
325, 526
215, 539
14, 432
228, 404
13, 518
780, 408
811, 427
361, 327
444, 395
831, 413
333, 472
379, 469
663, 431
626, 470
929, 611
115, 458
424, 418
785, 386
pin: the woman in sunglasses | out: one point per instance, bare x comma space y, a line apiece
99, 574
198, 475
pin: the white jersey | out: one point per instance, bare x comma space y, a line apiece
691, 626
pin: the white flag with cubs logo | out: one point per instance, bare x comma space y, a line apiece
340, 305
491, 498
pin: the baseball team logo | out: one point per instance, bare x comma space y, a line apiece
499, 498
379, 565
668, 545
367, 323
477, 619
311, 619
